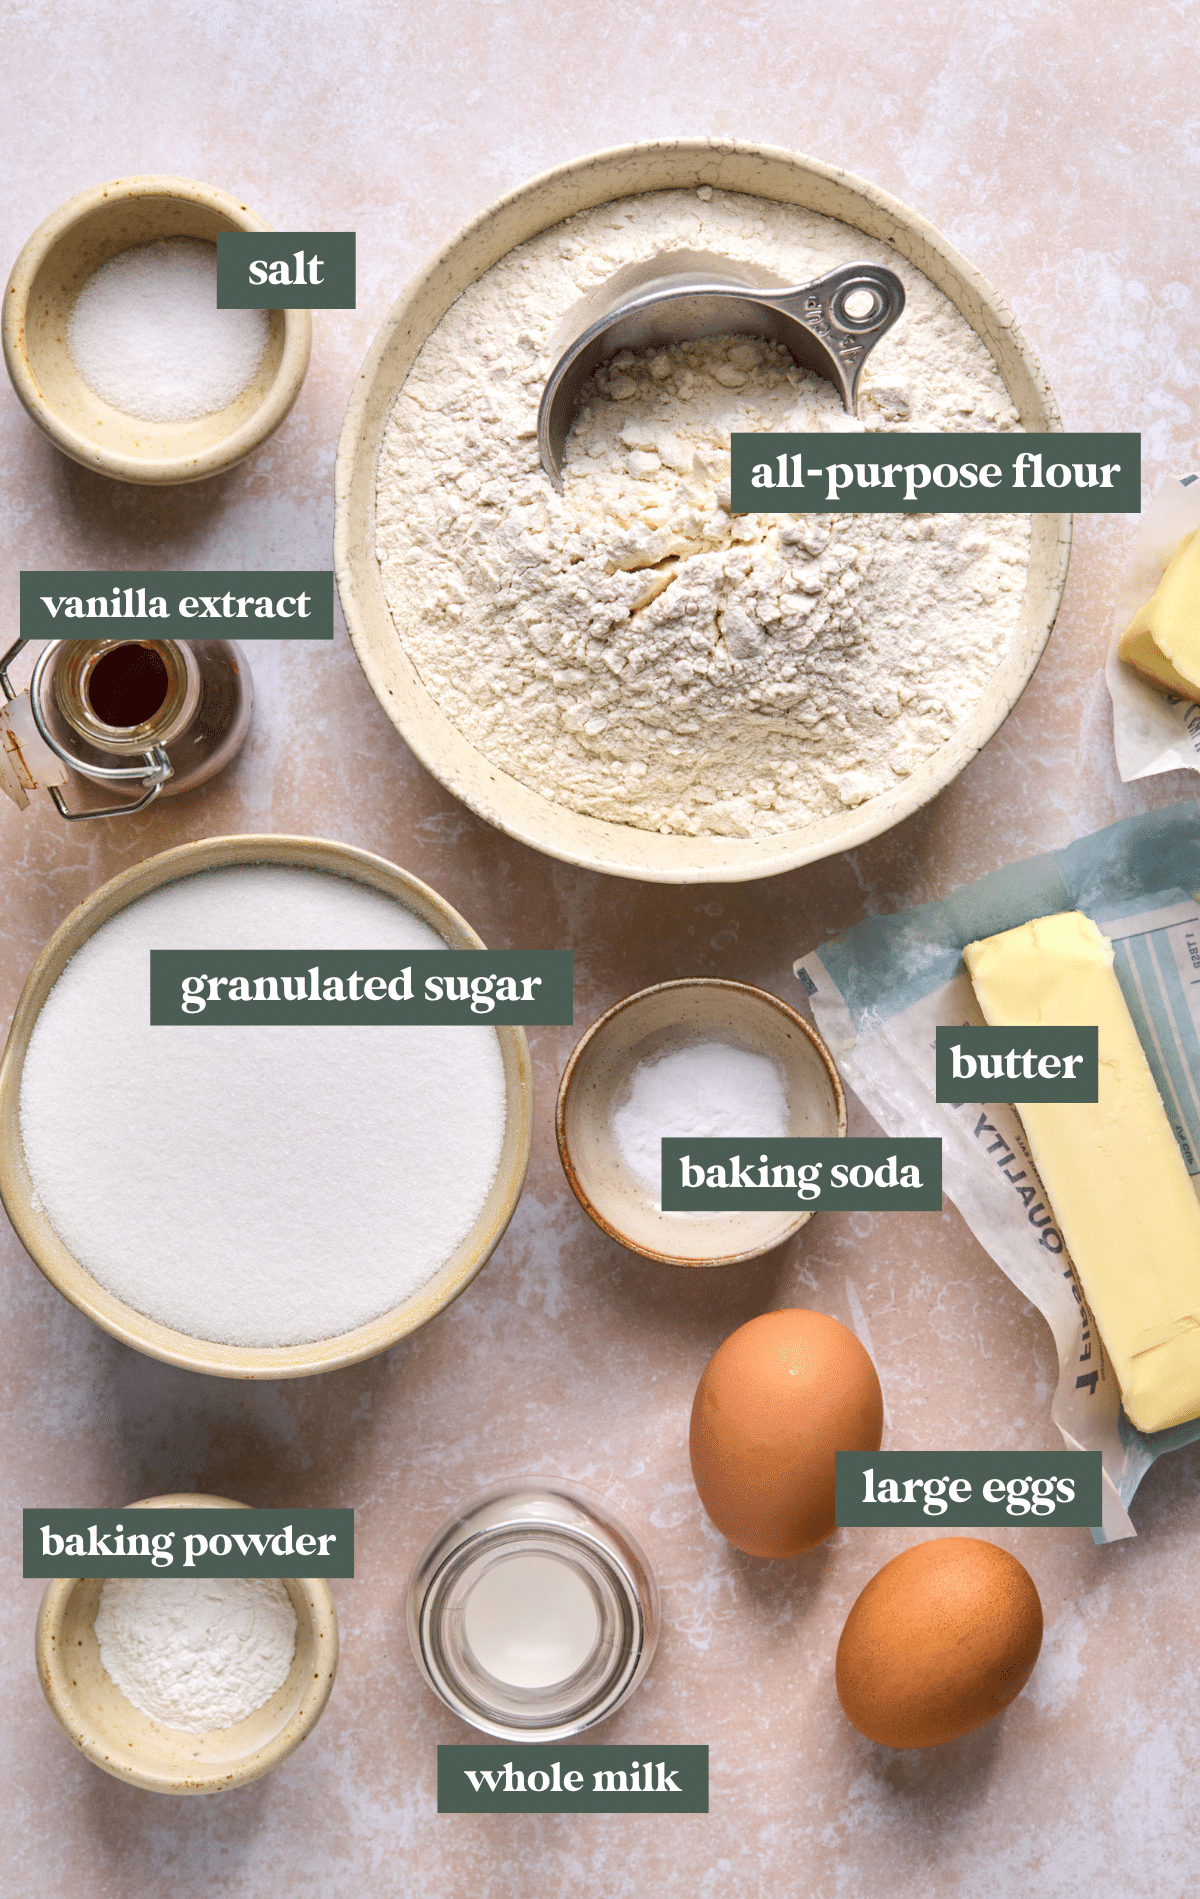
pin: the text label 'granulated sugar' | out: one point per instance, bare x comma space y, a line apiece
494, 987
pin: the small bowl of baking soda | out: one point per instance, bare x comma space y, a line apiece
698, 1059
117, 349
182, 1685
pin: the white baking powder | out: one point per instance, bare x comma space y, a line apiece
702, 1091
255, 1185
195, 1653
629, 648
147, 336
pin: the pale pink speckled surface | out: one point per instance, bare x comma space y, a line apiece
1056, 147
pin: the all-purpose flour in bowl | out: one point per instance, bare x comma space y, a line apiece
255, 1186
630, 649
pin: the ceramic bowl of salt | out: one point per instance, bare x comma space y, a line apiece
701, 1058
115, 345
159, 1754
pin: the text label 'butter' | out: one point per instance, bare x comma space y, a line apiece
1017, 1064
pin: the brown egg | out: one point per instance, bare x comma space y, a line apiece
776, 1401
940, 1640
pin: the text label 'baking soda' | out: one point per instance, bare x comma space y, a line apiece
1033, 1064
968, 1489
490, 987
85, 605
285, 270
895, 473
188, 1542
650, 1778
801, 1175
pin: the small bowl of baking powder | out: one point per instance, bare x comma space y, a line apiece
184, 1686
697, 1059
116, 347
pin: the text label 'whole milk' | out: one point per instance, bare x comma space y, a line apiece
645, 1778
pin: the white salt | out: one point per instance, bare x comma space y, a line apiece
251, 1185
147, 336
701, 1091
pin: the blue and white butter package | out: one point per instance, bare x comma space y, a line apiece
880, 990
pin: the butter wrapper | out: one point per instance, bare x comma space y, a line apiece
1153, 732
880, 991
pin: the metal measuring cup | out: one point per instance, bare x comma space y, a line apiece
830, 325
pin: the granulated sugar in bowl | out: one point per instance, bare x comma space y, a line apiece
255, 1201
625, 674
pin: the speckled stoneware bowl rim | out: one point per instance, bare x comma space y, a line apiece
600, 1027
149, 470
210, 1777
596, 843
205, 1355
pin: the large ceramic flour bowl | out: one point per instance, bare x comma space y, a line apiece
134, 1328
497, 796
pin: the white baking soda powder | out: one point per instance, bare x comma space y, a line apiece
196, 1654
702, 1091
146, 334
531, 1620
259, 1185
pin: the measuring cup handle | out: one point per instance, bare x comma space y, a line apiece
847, 311
835, 300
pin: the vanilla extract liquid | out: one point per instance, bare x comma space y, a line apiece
127, 685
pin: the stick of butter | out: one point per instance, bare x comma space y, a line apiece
1112, 1168
1163, 641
